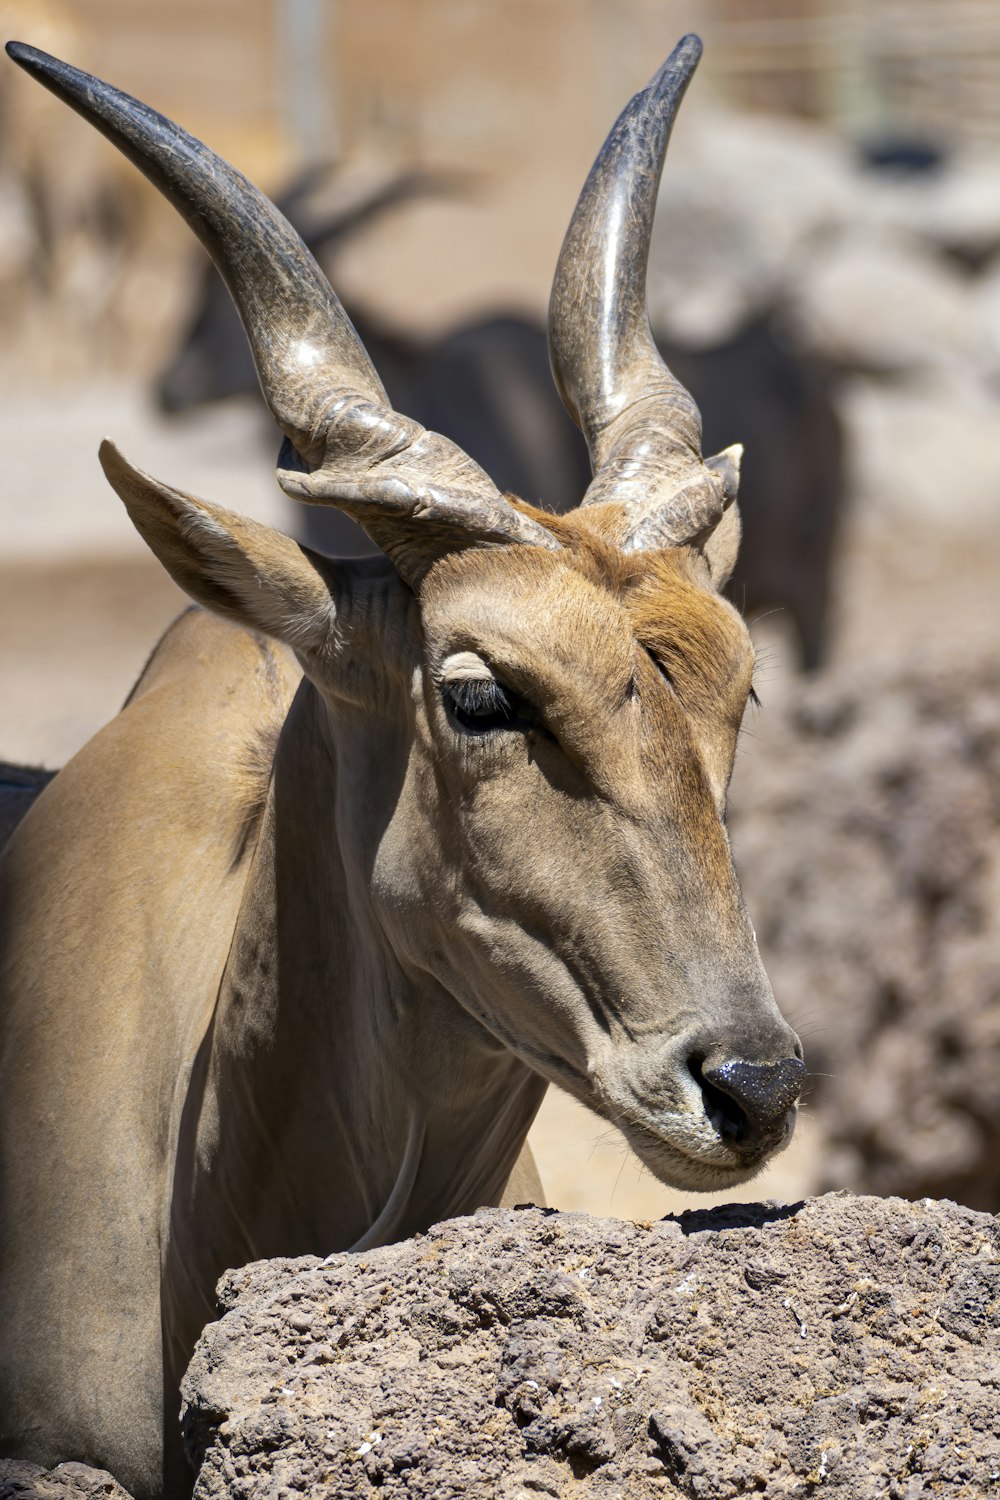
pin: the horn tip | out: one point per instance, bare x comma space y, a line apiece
686, 55
33, 60
690, 42
726, 465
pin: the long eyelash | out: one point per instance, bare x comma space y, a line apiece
754, 698
480, 696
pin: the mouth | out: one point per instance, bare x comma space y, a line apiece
697, 1139
693, 1154
695, 1136
695, 1149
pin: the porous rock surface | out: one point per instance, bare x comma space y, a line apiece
844, 1346
866, 824
20, 1480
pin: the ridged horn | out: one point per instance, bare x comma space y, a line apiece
348, 446
642, 427
296, 326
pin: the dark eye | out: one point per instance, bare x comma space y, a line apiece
480, 703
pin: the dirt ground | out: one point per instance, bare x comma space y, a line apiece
82, 602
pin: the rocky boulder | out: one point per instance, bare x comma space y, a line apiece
867, 830
842, 1345
26, 1481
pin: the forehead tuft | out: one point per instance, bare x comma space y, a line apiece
591, 602
528, 600
699, 638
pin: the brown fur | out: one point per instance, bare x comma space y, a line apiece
697, 638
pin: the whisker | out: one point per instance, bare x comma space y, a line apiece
611, 1200
779, 609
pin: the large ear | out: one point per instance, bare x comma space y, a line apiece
233, 566
720, 546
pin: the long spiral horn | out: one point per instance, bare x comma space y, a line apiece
346, 446
642, 427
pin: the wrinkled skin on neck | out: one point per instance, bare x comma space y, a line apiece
339, 1101
566, 875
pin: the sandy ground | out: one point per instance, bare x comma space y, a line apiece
82, 602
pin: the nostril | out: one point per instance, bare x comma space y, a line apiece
762, 1093
721, 1108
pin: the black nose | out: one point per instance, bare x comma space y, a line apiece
748, 1102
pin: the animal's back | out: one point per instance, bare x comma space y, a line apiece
119, 891
19, 787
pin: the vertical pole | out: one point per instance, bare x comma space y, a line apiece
306, 81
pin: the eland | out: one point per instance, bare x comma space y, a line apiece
376, 849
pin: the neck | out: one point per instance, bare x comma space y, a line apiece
341, 1099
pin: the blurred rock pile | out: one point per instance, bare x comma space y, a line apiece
20, 1480
866, 824
892, 277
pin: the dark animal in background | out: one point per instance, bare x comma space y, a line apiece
793, 480
488, 387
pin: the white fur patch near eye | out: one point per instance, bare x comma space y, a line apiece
464, 666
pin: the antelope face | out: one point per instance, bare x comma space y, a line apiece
558, 858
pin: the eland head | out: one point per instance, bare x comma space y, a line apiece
551, 706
